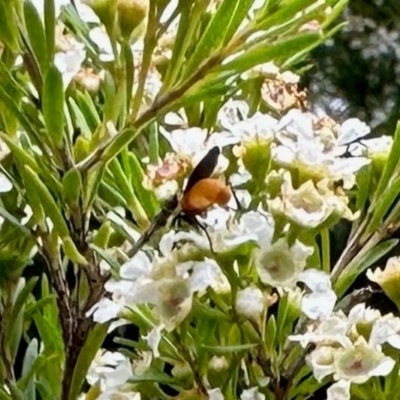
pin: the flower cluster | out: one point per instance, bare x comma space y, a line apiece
297, 163
350, 347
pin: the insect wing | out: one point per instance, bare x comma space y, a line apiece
204, 168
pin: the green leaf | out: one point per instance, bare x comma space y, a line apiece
26, 383
392, 165
382, 206
129, 73
7, 216
88, 109
363, 186
92, 344
242, 8
8, 26
126, 189
3, 395
106, 257
286, 13
53, 105
37, 37
152, 376
80, 119
33, 199
353, 270
72, 187
337, 10
278, 52
154, 148
50, 27
48, 203
22, 155
229, 349
91, 184
52, 370
270, 334
39, 305
213, 37
110, 91
12, 334
146, 197
281, 318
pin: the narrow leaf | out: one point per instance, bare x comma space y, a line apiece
37, 37
93, 342
50, 27
230, 349
350, 274
53, 105
213, 37
49, 204
72, 187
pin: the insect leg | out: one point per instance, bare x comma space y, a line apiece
192, 220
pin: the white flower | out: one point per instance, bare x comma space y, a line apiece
362, 314
315, 150
215, 394
339, 391
111, 369
186, 141
361, 362
69, 62
174, 301
280, 265
206, 274
372, 148
137, 267
5, 183
320, 302
252, 394
259, 127
193, 143
153, 339
136, 274
105, 310
99, 36
268, 69
321, 361
386, 330
232, 112
250, 302
351, 130
224, 239
331, 331
309, 206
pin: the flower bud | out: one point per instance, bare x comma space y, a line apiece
250, 303
105, 10
218, 364
87, 79
256, 157
388, 279
130, 14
